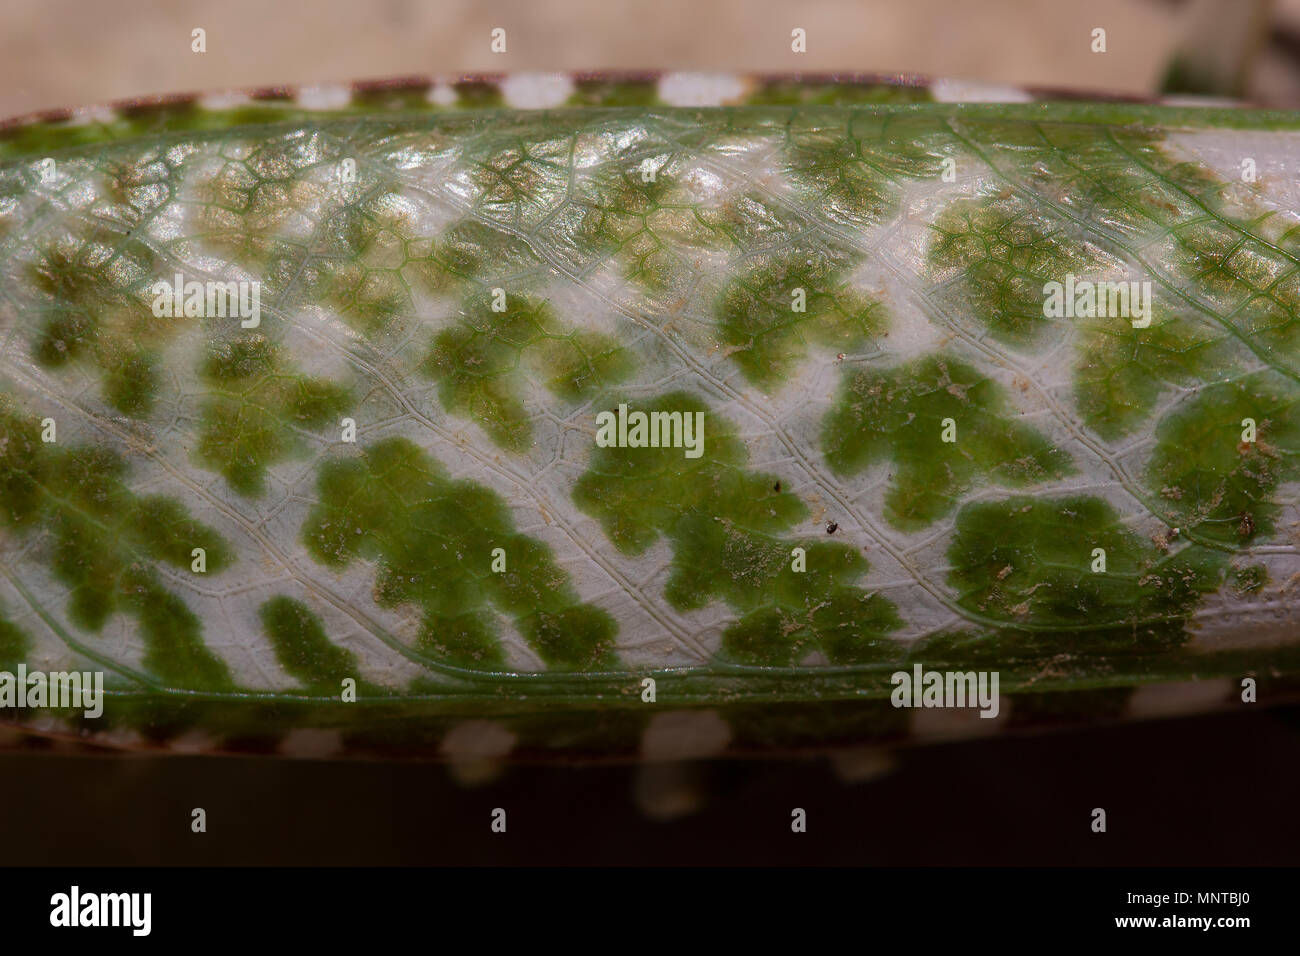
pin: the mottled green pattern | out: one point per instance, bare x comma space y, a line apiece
14, 644
725, 524
902, 414
1027, 563
302, 647
105, 545
254, 404
473, 362
757, 319
1215, 485
394, 477
89, 292
435, 540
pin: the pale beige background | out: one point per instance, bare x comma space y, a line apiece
57, 53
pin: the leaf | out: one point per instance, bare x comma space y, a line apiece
401, 477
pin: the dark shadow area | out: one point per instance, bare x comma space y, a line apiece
1217, 790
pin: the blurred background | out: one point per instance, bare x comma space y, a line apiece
58, 53
1201, 790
